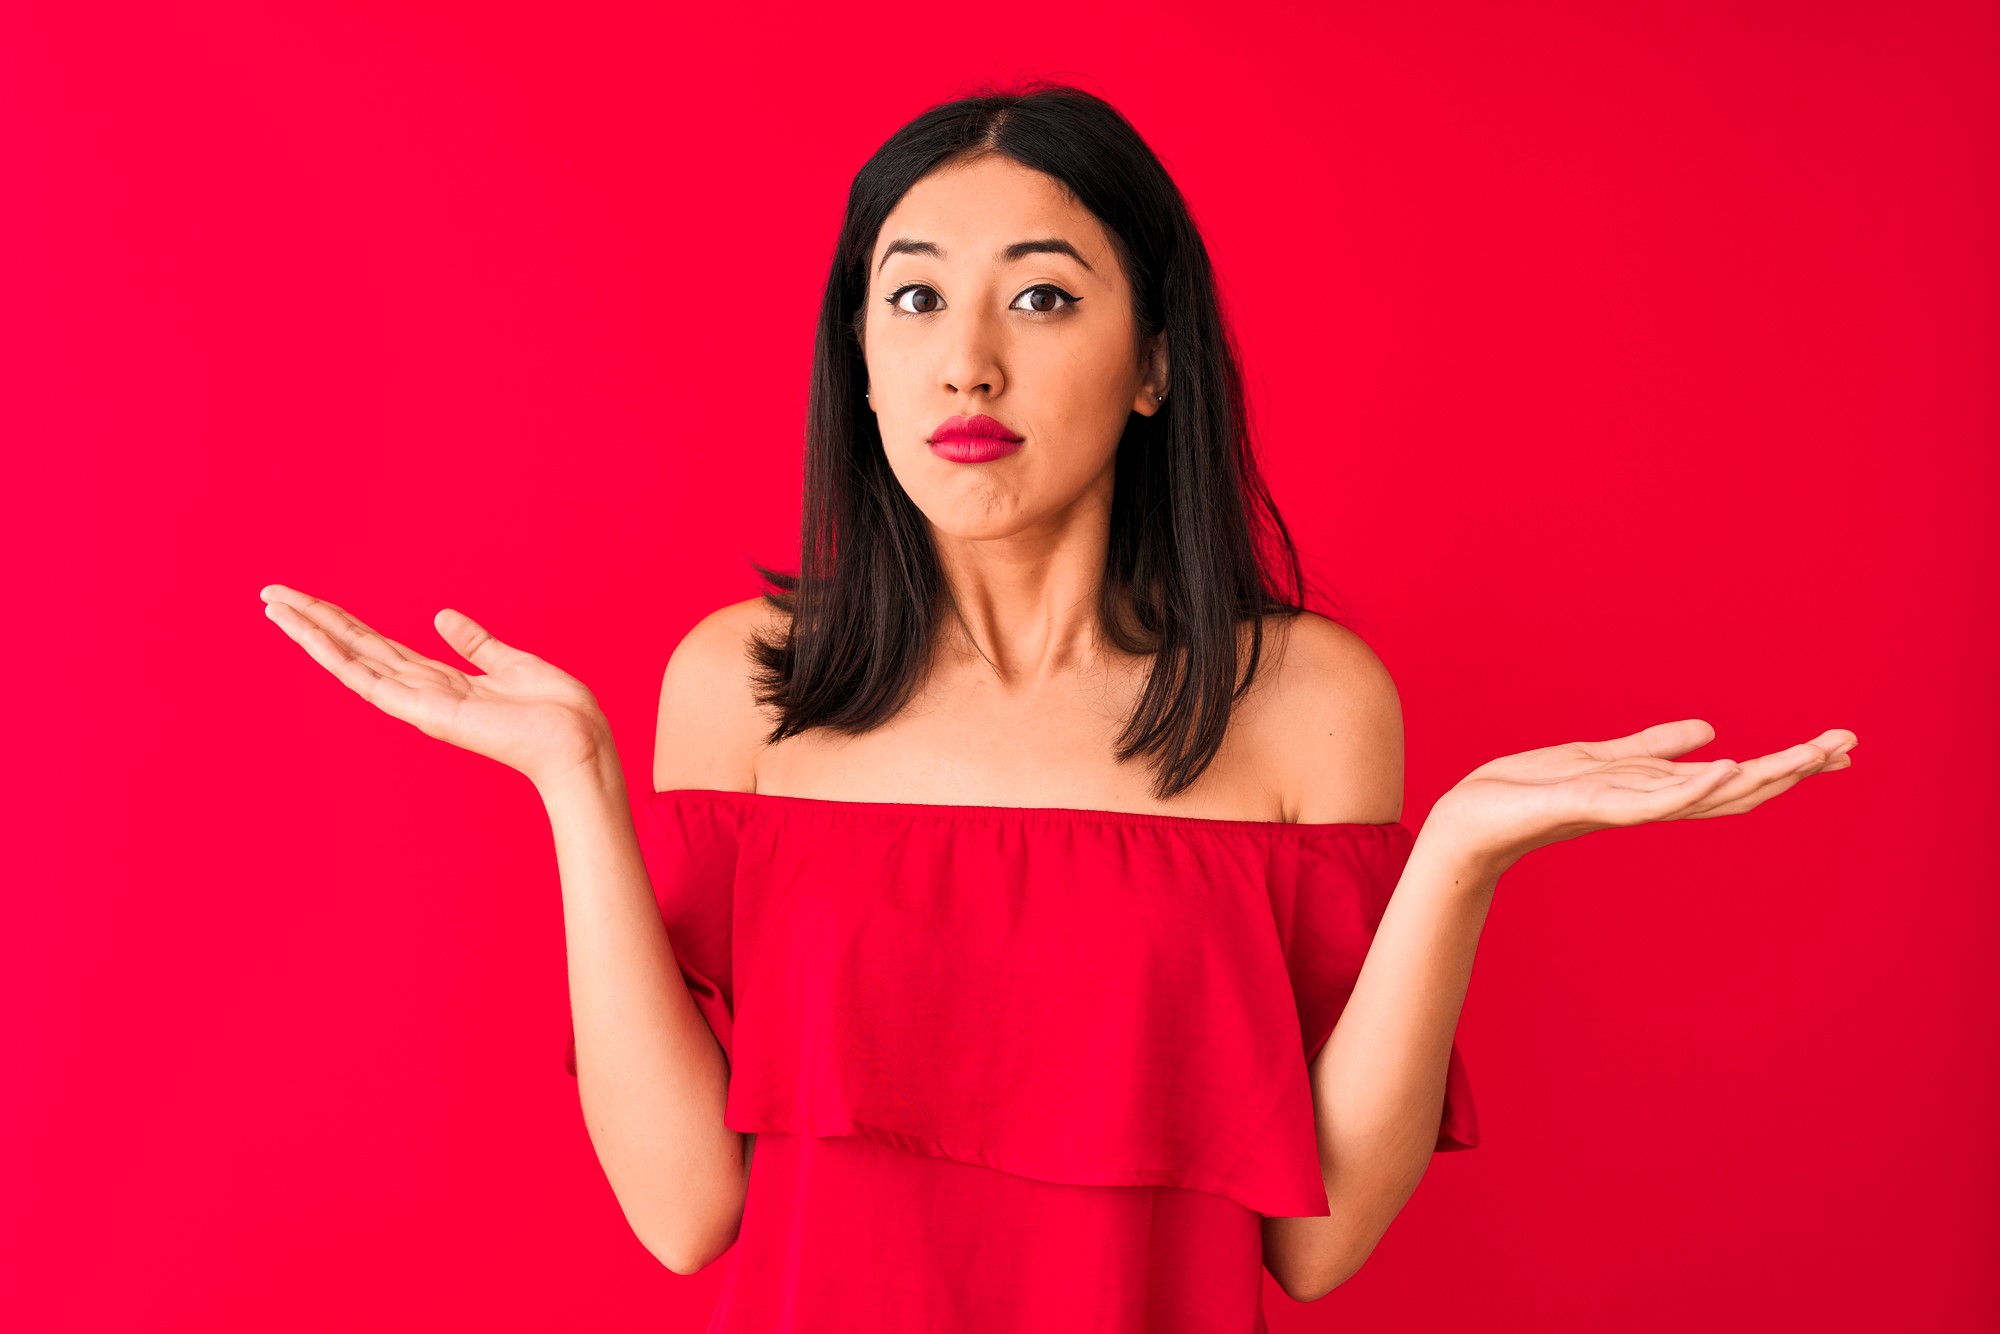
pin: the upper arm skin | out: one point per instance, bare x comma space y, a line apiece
1331, 737
710, 730
1330, 726
710, 725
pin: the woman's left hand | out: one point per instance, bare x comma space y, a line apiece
1506, 809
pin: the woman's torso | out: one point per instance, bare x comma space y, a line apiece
965, 740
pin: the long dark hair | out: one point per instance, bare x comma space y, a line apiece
1197, 547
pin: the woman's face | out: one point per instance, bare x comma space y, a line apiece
1044, 342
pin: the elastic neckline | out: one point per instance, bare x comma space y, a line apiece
1029, 814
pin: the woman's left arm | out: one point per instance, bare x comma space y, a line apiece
1378, 1083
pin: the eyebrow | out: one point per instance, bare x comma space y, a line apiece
1048, 245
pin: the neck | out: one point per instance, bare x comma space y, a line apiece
1027, 605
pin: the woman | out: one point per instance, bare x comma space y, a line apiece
1004, 861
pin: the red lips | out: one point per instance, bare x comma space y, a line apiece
980, 427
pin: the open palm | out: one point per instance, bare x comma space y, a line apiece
524, 712
1505, 809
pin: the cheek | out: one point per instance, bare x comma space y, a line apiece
1092, 406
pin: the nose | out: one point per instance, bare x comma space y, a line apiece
972, 357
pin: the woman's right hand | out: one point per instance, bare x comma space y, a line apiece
524, 712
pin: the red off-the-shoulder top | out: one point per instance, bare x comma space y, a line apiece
1016, 1068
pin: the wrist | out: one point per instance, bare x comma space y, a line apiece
1454, 861
592, 769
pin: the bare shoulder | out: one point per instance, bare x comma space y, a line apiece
1326, 723
711, 726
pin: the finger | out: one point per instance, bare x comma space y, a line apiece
344, 628
1751, 800
1778, 765
366, 677
338, 624
473, 642
1798, 761
1660, 741
1833, 741
1762, 781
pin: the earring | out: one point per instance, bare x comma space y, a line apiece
1159, 398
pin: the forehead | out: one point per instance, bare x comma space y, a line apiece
974, 210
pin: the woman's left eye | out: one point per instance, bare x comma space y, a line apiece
1052, 291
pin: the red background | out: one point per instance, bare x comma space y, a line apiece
1620, 364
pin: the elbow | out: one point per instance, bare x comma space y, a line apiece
1310, 1287
689, 1240
1299, 1293
692, 1231
1304, 1291
691, 1262
668, 1247
1314, 1291
1310, 1257
686, 1255
679, 1261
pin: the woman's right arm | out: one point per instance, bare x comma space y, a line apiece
651, 1077
651, 1073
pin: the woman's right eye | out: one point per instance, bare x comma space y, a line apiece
895, 298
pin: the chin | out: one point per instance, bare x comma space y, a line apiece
974, 527
979, 514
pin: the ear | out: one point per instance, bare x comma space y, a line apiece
1147, 401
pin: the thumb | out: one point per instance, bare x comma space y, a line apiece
1666, 740
470, 640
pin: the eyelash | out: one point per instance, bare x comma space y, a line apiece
895, 300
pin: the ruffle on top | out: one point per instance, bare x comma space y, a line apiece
1091, 997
